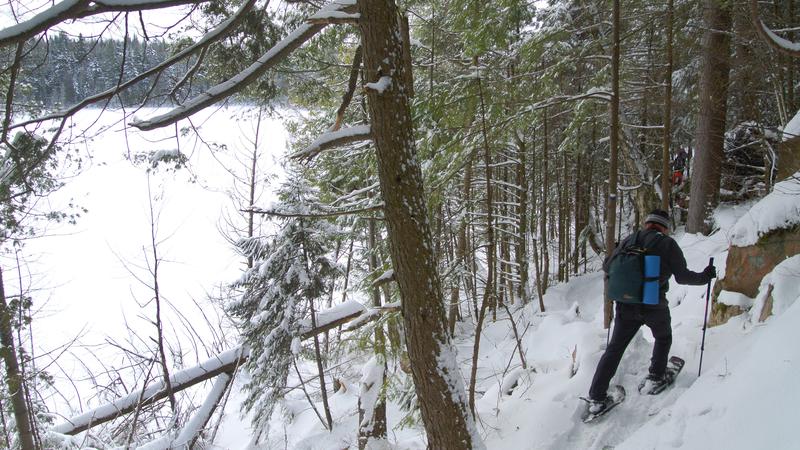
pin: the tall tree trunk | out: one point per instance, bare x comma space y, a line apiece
543, 238
488, 292
711, 122
666, 184
464, 255
522, 220
376, 428
14, 380
439, 386
611, 202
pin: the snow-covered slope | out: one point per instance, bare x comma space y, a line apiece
744, 398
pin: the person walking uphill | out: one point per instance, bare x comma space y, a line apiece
631, 316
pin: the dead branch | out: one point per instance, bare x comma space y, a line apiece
351, 89
225, 362
334, 139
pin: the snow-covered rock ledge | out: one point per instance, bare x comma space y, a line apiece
760, 240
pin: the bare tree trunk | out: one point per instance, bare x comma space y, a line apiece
162, 356
545, 266
376, 428
611, 202
14, 379
488, 292
522, 220
666, 189
711, 121
461, 246
437, 379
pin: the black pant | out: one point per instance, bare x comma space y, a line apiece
629, 318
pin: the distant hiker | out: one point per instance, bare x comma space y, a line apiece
678, 165
631, 316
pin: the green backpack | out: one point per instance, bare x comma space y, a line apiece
633, 274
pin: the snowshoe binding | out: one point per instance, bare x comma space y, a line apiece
596, 409
653, 385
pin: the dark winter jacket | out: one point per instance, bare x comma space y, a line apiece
672, 260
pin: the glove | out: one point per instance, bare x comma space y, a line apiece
710, 272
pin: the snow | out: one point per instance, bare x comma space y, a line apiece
783, 43
735, 299
330, 138
745, 398
331, 315
381, 85
370, 387
39, 20
779, 209
792, 129
732, 405
178, 378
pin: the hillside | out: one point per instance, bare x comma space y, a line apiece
733, 404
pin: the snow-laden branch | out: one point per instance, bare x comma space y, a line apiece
318, 214
192, 429
224, 362
357, 193
207, 39
332, 318
78, 9
276, 54
334, 139
773, 40
592, 94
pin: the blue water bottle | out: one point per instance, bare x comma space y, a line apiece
652, 270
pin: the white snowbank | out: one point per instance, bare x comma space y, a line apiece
746, 401
792, 129
779, 209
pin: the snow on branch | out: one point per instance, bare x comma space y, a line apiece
592, 94
224, 362
319, 214
773, 40
385, 277
381, 85
192, 429
334, 139
332, 318
235, 84
77, 9
207, 39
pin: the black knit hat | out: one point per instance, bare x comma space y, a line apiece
658, 216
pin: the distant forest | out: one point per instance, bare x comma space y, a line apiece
62, 70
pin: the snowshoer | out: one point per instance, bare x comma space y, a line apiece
678, 164
630, 317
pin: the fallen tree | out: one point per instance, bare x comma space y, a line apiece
223, 363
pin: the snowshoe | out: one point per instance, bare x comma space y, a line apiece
595, 409
653, 385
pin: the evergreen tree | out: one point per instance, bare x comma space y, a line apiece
292, 270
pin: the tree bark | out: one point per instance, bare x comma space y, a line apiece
611, 202
711, 121
14, 379
438, 381
666, 184
376, 428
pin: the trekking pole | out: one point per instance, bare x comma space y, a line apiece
705, 321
